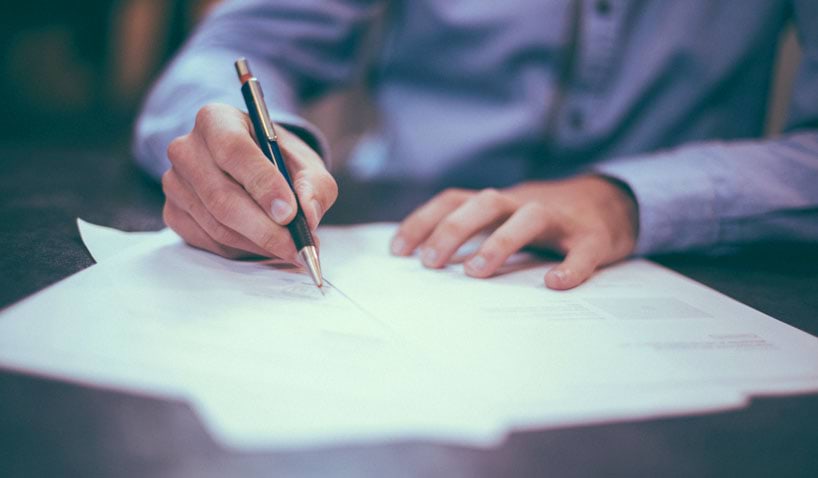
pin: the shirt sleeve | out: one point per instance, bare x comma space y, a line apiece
298, 49
715, 194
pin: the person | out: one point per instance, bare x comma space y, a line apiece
598, 129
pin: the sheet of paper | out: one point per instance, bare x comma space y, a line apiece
633, 323
104, 243
164, 319
395, 351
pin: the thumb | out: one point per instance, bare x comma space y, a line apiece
314, 186
580, 262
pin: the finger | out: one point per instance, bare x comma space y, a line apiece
529, 223
189, 230
418, 225
482, 210
231, 206
226, 133
181, 194
317, 192
580, 262
314, 185
226, 200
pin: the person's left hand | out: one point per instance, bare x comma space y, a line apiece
592, 220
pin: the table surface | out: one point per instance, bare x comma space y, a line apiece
53, 428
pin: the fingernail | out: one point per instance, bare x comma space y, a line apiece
559, 275
476, 263
429, 256
281, 211
398, 245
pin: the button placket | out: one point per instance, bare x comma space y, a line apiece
602, 7
599, 41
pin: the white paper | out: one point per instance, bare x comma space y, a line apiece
392, 350
104, 243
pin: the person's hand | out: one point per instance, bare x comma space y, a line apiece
590, 219
223, 195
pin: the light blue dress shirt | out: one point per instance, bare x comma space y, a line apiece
669, 96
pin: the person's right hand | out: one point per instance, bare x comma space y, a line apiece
223, 195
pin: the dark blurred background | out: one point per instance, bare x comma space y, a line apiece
74, 73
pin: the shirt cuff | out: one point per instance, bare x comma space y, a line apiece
677, 201
171, 110
282, 105
283, 116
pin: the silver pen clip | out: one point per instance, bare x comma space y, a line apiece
245, 75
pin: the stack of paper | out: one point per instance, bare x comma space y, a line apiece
391, 350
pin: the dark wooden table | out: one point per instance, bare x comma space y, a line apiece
51, 428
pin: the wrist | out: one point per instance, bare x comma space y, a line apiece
622, 206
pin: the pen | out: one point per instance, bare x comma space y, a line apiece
268, 142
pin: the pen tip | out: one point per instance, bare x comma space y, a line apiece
309, 256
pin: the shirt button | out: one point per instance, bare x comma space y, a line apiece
603, 7
576, 119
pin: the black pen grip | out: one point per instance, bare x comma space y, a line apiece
298, 227
302, 237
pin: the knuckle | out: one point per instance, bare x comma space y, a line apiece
490, 196
236, 143
412, 229
535, 209
219, 203
262, 182
491, 199
232, 151
206, 115
452, 195
221, 234
167, 182
302, 185
168, 217
501, 243
536, 213
408, 230
451, 228
177, 149
329, 187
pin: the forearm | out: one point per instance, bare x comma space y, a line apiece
724, 194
